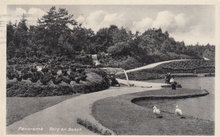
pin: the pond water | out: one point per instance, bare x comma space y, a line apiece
200, 107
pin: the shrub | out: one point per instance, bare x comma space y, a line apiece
18, 68
72, 75
93, 127
73, 68
119, 48
64, 71
25, 76
99, 72
66, 79
46, 78
31, 92
66, 90
29, 74
39, 74
54, 71
93, 83
25, 70
45, 70
77, 79
83, 77
19, 78
10, 75
9, 85
33, 69
35, 77
57, 80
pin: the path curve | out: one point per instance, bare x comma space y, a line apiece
64, 115
154, 65
142, 83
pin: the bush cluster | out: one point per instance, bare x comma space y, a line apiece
48, 82
93, 127
57, 59
22, 89
47, 74
191, 64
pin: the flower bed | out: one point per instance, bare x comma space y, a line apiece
47, 84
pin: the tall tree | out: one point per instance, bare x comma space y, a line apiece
53, 25
10, 32
10, 40
21, 33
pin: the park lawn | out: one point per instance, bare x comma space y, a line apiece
126, 118
20, 107
179, 92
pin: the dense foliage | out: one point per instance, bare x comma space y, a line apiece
62, 49
58, 34
26, 82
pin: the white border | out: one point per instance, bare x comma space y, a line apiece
3, 10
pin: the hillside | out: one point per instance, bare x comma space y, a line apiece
52, 41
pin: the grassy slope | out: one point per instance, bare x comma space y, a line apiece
20, 107
126, 118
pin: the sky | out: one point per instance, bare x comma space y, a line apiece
189, 23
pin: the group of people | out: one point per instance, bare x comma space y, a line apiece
169, 79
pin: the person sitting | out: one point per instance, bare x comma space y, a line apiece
167, 78
173, 83
113, 80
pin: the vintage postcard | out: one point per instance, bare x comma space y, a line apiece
135, 68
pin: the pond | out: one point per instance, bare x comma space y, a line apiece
199, 107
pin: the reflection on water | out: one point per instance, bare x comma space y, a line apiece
200, 107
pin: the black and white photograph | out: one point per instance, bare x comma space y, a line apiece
110, 69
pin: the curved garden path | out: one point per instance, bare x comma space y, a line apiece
154, 65
63, 116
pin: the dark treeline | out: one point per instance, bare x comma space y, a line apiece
59, 34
